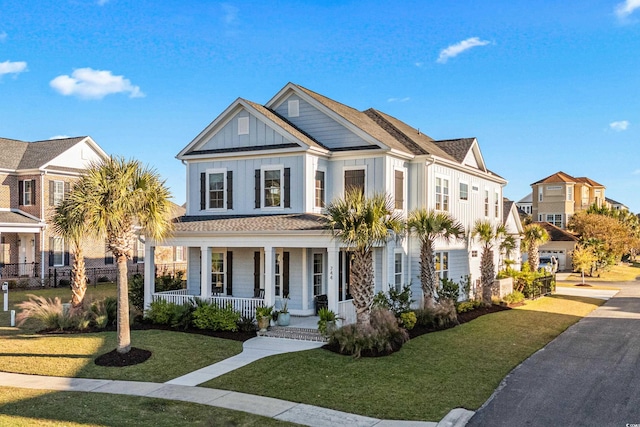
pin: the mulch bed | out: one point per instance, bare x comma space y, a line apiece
118, 360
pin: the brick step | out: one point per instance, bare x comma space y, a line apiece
293, 333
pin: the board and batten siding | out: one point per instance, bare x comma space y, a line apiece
320, 126
374, 175
259, 135
244, 184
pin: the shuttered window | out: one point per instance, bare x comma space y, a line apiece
319, 193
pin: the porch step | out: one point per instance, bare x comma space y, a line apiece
293, 333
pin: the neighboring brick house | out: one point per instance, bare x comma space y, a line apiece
557, 197
34, 178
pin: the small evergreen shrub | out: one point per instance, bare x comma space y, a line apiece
448, 290
514, 297
174, 315
136, 291
211, 316
382, 337
397, 301
246, 324
104, 312
465, 306
408, 320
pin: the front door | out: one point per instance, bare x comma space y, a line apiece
344, 276
27, 254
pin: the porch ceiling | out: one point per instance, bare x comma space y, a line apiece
246, 223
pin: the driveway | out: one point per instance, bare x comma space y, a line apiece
587, 376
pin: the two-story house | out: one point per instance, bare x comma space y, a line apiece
259, 178
34, 178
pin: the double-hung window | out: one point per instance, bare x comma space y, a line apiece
27, 193
58, 192
464, 191
318, 274
217, 272
272, 188
319, 189
397, 271
496, 205
442, 194
216, 189
58, 251
442, 264
486, 202
555, 219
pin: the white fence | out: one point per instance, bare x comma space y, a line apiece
347, 312
245, 306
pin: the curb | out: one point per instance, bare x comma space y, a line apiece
458, 417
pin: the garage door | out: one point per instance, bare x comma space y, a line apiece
560, 255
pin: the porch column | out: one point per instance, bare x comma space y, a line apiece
269, 269
205, 272
305, 279
333, 264
149, 273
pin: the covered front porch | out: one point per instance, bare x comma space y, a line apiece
259, 268
21, 246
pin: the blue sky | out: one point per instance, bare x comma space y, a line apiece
544, 86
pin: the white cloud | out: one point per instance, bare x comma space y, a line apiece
88, 83
419, 64
456, 49
626, 8
405, 99
3, 36
8, 67
619, 126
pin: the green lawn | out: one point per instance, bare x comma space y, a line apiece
22, 407
617, 273
431, 375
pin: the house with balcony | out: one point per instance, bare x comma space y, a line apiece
557, 197
259, 178
34, 178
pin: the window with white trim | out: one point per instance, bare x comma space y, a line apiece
569, 193
179, 254
497, 205
318, 274
486, 202
319, 193
217, 184
555, 219
464, 191
442, 194
217, 272
442, 264
58, 251
540, 196
58, 192
272, 184
27, 193
140, 250
397, 270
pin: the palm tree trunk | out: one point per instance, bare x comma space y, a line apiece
534, 257
124, 334
487, 274
362, 285
428, 277
78, 278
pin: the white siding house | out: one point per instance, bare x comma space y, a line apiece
259, 178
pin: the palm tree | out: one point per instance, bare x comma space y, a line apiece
488, 236
507, 246
429, 226
69, 224
114, 196
534, 236
361, 223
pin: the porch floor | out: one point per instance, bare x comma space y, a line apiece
306, 322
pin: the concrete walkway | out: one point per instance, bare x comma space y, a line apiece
587, 376
252, 350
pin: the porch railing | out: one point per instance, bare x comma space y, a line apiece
244, 306
25, 269
347, 312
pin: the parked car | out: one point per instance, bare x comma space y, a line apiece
550, 264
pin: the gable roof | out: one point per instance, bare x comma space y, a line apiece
557, 234
19, 155
527, 199
561, 177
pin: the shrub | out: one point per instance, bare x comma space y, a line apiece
465, 306
408, 320
397, 301
246, 324
325, 316
174, 315
442, 316
103, 279
448, 290
514, 297
216, 318
104, 312
383, 336
136, 291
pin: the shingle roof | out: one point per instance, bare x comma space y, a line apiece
589, 181
557, 234
456, 148
7, 217
506, 209
254, 223
527, 199
32, 155
556, 177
